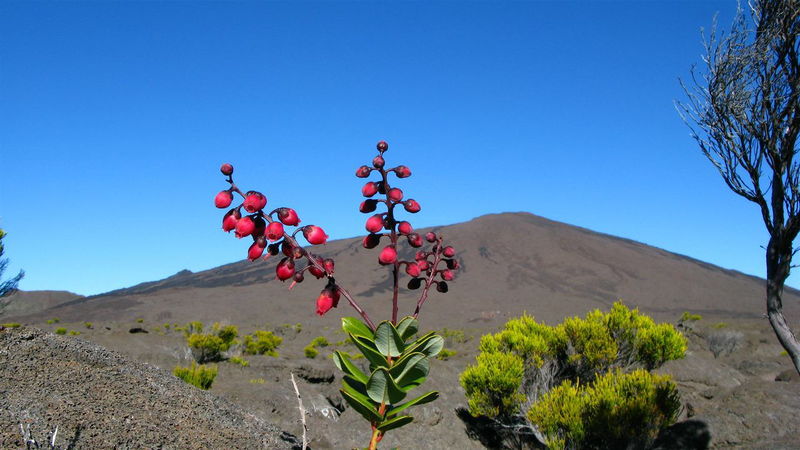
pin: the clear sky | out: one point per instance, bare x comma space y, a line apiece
115, 117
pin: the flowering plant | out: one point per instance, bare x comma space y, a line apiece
399, 359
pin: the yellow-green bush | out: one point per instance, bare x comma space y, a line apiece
197, 375
61, 330
446, 354
240, 361
492, 385
617, 410
88, 325
12, 325
74, 333
209, 346
577, 350
310, 351
262, 343
319, 341
689, 317
53, 320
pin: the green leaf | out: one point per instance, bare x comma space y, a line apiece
345, 365
414, 372
356, 327
354, 386
421, 400
367, 348
397, 422
388, 340
381, 388
430, 344
363, 406
407, 327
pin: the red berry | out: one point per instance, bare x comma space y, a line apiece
285, 269
404, 228
371, 240
411, 205
423, 264
430, 236
420, 255
254, 201
378, 162
223, 199
363, 172
402, 172
374, 223
328, 298
382, 146
367, 206
230, 219
412, 269
255, 251
329, 266
317, 272
314, 235
226, 169
244, 227
388, 255
395, 194
369, 189
298, 277
288, 216
274, 231
447, 275
449, 252
415, 240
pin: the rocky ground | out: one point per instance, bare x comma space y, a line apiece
747, 396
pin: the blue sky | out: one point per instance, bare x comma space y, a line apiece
115, 117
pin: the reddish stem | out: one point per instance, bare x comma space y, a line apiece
437, 258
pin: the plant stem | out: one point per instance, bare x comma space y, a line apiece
437, 258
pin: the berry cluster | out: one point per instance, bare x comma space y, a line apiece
434, 267
424, 269
270, 235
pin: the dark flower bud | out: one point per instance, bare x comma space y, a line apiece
402, 172
414, 283
363, 172
411, 205
382, 146
367, 206
226, 169
378, 162
430, 236
371, 240
415, 240
441, 287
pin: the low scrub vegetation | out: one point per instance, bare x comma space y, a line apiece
724, 342
262, 342
209, 346
576, 367
61, 330
310, 350
197, 375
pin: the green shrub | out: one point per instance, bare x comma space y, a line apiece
454, 336
492, 385
617, 410
52, 321
310, 351
527, 359
209, 347
689, 317
197, 375
88, 325
446, 354
61, 330
12, 325
240, 361
262, 343
257, 381
74, 333
140, 320
719, 325
166, 326
319, 341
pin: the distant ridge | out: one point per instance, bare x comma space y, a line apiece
511, 262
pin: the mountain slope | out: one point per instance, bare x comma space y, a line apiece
511, 263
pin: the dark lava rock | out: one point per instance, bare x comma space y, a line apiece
320, 374
100, 399
135, 330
